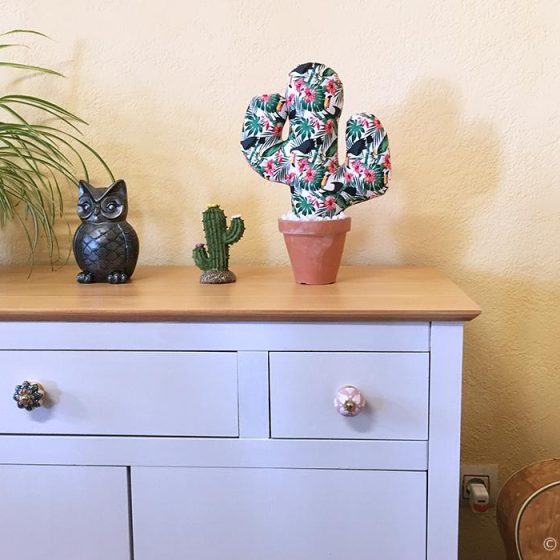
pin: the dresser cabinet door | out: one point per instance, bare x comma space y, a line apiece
63, 513
278, 514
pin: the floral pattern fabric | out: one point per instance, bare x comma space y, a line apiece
307, 160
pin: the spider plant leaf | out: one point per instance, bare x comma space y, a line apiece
35, 157
24, 154
42, 104
7, 208
28, 31
57, 138
36, 193
37, 141
43, 143
21, 180
28, 153
45, 110
84, 145
39, 69
60, 199
14, 113
30, 243
9, 45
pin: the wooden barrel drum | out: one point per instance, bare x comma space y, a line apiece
528, 512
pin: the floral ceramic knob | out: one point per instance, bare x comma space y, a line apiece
29, 395
349, 401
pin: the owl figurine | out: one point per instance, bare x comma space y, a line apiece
105, 245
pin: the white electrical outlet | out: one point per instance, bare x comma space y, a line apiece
487, 474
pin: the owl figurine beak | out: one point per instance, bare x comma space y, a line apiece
96, 216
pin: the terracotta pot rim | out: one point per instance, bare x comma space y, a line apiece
314, 227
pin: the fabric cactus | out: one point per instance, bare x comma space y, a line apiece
213, 258
307, 160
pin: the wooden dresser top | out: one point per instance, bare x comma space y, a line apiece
362, 293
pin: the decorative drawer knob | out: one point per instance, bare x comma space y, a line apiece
349, 401
29, 395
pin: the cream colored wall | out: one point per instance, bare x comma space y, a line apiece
469, 93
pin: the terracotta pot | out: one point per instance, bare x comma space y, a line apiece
315, 248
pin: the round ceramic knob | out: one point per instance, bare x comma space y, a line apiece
29, 395
349, 401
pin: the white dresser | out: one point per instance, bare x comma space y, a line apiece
182, 421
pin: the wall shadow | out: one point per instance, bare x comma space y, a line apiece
447, 168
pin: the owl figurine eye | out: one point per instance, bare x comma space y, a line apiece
111, 208
85, 207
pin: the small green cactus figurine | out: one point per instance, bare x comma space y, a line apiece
213, 258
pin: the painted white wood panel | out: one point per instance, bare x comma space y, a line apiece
445, 440
129, 393
201, 452
64, 513
278, 514
252, 372
303, 386
381, 337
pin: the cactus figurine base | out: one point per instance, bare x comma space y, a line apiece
217, 277
213, 257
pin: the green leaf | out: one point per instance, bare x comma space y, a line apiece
383, 145
85, 146
354, 129
33, 159
273, 149
303, 127
9, 45
42, 104
46, 109
28, 31
332, 150
39, 69
252, 124
302, 206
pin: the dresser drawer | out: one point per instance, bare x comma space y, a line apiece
123, 393
303, 386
